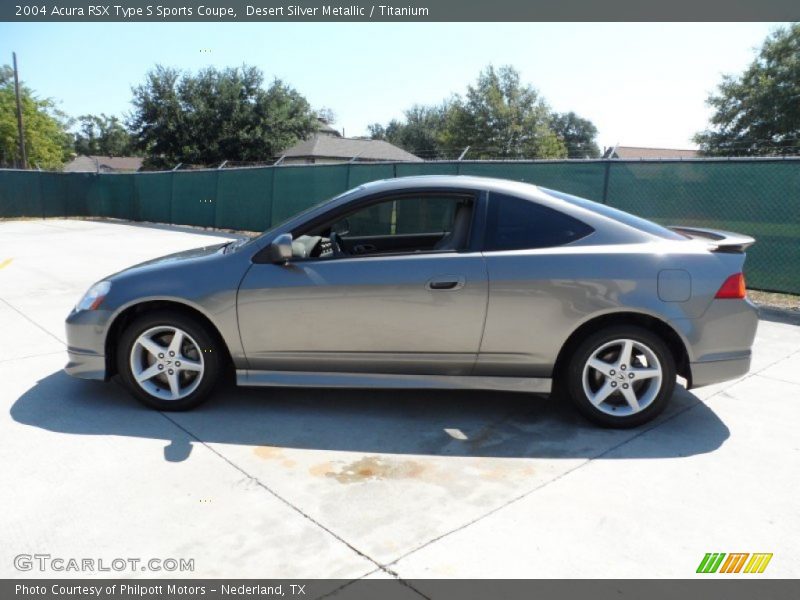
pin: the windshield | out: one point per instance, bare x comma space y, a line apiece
618, 215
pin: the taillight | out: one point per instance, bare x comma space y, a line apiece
733, 287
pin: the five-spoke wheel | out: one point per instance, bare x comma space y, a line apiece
167, 360
167, 363
621, 376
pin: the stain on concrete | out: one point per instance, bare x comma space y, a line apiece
274, 453
268, 452
388, 468
372, 468
502, 472
448, 472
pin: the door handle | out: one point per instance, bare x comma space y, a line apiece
445, 283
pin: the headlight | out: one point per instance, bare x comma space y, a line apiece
94, 296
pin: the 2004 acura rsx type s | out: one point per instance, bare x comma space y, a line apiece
433, 282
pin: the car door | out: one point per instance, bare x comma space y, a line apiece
411, 311
537, 293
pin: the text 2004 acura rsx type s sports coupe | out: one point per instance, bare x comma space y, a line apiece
433, 282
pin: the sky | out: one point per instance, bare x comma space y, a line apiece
641, 84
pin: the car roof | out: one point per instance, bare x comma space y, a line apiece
452, 181
608, 228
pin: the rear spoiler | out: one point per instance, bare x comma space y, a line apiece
722, 241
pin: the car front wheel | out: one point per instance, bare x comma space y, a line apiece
621, 376
168, 360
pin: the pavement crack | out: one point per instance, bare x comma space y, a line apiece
27, 356
543, 484
772, 378
589, 460
277, 496
27, 318
394, 575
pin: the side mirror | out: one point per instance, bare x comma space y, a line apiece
280, 250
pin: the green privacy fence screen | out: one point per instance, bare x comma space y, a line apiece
759, 197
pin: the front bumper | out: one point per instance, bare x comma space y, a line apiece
86, 335
86, 366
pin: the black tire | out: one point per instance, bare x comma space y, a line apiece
198, 336
573, 383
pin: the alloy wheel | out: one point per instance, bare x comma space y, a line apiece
622, 377
167, 363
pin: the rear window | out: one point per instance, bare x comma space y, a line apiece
618, 215
515, 224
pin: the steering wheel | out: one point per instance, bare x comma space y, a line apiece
336, 244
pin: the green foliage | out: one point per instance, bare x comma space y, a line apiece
758, 112
100, 135
499, 117
502, 118
421, 132
578, 135
47, 142
215, 115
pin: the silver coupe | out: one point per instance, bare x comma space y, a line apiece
433, 282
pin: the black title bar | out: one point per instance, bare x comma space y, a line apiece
402, 11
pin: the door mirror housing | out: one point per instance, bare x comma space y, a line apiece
280, 250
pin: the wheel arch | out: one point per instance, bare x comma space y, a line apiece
125, 316
673, 340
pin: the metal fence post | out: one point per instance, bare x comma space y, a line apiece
216, 193
172, 197
606, 174
274, 168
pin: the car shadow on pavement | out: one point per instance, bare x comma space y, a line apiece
419, 422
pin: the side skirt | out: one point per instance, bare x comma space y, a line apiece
244, 377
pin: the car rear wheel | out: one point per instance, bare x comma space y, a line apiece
621, 376
168, 360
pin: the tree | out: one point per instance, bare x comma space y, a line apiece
420, 133
47, 142
103, 136
215, 115
758, 112
326, 115
502, 118
499, 117
578, 135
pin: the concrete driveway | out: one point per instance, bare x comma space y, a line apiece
350, 484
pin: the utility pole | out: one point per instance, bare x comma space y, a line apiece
20, 128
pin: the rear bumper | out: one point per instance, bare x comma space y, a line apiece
714, 371
719, 344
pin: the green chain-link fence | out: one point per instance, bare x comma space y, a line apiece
758, 197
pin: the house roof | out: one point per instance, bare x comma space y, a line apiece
329, 146
324, 127
96, 164
636, 152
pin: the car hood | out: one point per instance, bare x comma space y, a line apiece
170, 260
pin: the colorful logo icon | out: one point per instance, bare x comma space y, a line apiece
736, 562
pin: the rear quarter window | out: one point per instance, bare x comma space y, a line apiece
618, 215
515, 224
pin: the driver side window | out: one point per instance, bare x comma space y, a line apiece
402, 224
403, 216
